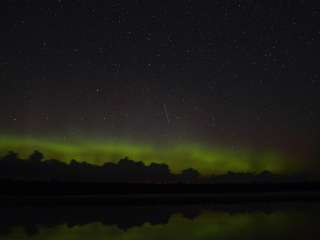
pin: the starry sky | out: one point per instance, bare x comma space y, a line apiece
242, 74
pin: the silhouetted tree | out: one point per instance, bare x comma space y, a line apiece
189, 175
159, 172
10, 156
126, 170
36, 156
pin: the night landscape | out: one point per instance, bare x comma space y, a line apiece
159, 119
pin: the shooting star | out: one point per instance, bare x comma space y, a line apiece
166, 113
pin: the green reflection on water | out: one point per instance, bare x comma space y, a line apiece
209, 225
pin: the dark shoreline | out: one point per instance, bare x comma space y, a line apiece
66, 193
147, 199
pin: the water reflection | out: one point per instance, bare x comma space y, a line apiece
162, 222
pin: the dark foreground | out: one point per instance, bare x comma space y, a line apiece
56, 210
121, 193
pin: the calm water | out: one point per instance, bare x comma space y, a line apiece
277, 221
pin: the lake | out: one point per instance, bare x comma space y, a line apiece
236, 221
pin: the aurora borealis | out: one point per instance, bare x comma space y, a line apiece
177, 157
217, 86
139, 119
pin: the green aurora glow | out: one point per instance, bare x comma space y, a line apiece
206, 159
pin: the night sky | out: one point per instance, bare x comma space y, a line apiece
228, 80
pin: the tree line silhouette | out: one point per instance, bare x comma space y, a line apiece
36, 168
